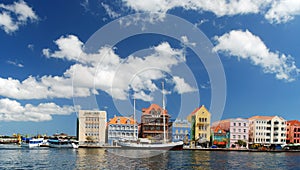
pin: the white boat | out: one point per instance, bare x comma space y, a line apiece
32, 143
152, 146
60, 143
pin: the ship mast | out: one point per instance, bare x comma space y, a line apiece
164, 108
134, 135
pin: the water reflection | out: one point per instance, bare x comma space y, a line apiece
91, 158
50, 158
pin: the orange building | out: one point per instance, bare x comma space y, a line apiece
152, 123
293, 131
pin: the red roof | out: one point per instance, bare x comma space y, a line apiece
216, 130
155, 107
293, 122
193, 113
121, 120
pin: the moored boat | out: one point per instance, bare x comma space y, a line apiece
152, 146
60, 143
31, 142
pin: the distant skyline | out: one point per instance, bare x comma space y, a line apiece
59, 56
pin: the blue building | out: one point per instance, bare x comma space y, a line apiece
181, 130
121, 128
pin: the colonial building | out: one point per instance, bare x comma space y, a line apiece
200, 125
121, 128
152, 123
181, 130
267, 130
239, 131
91, 127
293, 131
220, 137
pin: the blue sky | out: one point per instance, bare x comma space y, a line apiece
56, 57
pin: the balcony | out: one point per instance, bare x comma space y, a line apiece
202, 123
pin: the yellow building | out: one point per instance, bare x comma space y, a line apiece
200, 122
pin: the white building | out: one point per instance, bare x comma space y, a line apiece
267, 130
91, 127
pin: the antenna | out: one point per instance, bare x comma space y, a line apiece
164, 108
134, 135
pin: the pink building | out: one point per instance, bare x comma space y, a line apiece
238, 128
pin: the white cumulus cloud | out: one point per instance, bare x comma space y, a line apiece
276, 11
106, 71
14, 15
11, 110
109, 11
283, 11
245, 45
181, 86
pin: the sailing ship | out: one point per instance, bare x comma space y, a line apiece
157, 145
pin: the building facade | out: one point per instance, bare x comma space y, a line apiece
91, 127
181, 130
267, 130
239, 131
220, 137
121, 128
293, 132
200, 125
152, 123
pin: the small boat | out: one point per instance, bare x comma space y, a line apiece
32, 142
61, 143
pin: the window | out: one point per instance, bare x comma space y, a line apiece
233, 124
240, 124
244, 124
244, 130
233, 136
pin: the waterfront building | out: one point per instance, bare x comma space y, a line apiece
293, 131
121, 128
152, 123
91, 127
238, 129
239, 132
267, 130
181, 130
200, 125
220, 137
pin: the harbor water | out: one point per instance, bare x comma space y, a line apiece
84, 158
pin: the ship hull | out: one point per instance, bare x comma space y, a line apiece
166, 146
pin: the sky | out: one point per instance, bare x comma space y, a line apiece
238, 58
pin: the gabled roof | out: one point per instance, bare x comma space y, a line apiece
197, 109
121, 120
218, 128
155, 107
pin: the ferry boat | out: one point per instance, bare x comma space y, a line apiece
31, 142
61, 143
